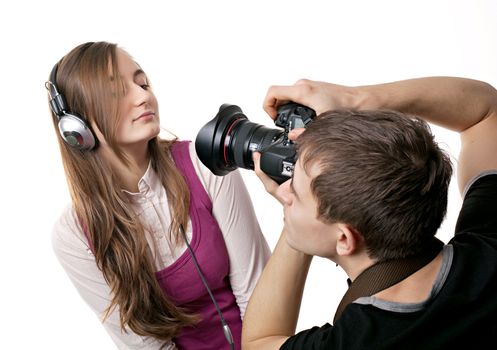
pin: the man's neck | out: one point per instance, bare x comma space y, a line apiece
415, 288
354, 265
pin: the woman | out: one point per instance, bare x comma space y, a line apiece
135, 198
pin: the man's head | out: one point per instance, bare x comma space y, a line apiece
380, 173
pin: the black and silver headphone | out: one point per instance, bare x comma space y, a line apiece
73, 128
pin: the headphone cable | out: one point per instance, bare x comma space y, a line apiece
226, 328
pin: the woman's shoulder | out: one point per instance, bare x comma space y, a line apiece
208, 180
67, 234
203, 171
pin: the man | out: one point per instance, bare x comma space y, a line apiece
370, 185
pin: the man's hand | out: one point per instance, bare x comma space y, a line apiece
270, 185
317, 95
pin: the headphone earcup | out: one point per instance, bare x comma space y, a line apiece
76, 132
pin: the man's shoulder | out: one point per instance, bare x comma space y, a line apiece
488, 176
477, 215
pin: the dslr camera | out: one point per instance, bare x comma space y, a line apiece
229, 139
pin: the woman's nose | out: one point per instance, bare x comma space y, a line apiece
139, 95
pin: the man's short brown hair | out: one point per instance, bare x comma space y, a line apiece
382, 173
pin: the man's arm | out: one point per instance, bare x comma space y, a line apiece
463, 105
273, 309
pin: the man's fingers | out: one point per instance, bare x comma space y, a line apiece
270, 185
295, 133
277, 96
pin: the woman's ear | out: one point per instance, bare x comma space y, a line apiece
349, 240
98, 134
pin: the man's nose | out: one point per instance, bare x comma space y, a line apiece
284, 192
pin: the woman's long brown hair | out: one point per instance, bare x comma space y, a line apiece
115, 234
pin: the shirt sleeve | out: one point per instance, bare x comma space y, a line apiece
232, 208
313, 338
478, 209
73, 252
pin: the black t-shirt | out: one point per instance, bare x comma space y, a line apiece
461, 311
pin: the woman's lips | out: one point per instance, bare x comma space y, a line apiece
145, 116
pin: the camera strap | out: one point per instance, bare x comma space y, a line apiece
385, 274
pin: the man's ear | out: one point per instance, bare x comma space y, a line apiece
349, 241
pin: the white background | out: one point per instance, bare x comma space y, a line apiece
199, 54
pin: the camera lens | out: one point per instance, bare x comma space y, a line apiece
245, 138
228, 141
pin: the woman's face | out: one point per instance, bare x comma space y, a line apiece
138, 109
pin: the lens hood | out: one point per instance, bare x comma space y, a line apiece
210, 140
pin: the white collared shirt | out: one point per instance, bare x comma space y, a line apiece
232, 208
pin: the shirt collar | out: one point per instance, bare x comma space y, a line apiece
148, 185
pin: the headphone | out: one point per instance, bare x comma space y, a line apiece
73, 128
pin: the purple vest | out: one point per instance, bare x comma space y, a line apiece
181, 281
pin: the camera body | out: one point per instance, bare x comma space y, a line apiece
229, 140
278, 159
